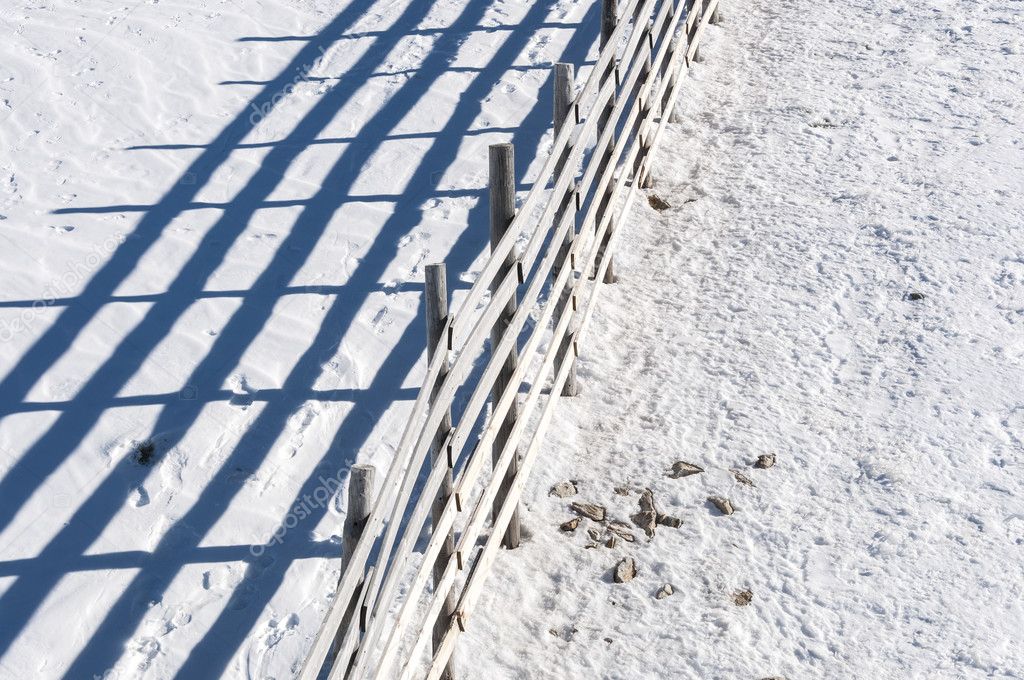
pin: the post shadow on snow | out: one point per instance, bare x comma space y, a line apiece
324, 290
356, 35
267, 571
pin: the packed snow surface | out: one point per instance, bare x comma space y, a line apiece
837, 280
214, 216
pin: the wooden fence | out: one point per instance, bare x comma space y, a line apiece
409, 586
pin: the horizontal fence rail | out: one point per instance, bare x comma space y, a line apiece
409, 585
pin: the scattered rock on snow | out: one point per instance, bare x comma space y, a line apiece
647, 518
611, 542
669, 521
742, 478
594, 534
622, 490
684, 469
647, 501
570, 525
766, 461
145, 452
658, 203
563, 490
625, 571
664, 591
914, 297
724, 505
589, 510
622, 530
742, 598
646, 521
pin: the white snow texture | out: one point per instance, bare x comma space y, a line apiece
214, 217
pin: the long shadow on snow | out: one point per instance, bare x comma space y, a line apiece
49, 451
22, 599
211, 656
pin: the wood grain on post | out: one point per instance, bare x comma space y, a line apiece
644, 179
673, 78
436, 296
502, 193
609, 19
360, 502
563, 97
698, 8
564, 88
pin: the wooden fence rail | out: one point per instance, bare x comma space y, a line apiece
518, 330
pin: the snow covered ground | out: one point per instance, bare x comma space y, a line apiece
838, 281
214, 216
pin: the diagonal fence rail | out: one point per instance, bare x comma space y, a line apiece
409, 585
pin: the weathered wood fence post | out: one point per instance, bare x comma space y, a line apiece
673, 78
644, 179
609, 19
360, 502
698, 9
564, 88
503, 211
436, 296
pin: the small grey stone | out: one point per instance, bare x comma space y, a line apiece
724, 505
658, 203
570, 525
684, 469
622, 530
563, 490
647, 501
589, 510
625, 571
766, 461
742, 598
647, 518
742, 478
664, 591
611, 542
594, 534
646, 521
669, 521
622, 490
